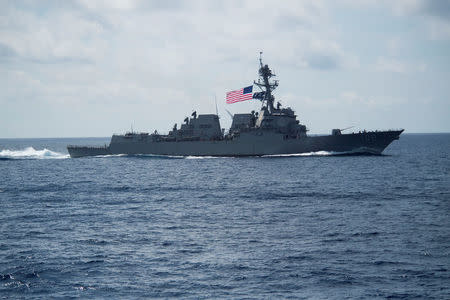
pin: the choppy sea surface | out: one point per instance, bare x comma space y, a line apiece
317, 226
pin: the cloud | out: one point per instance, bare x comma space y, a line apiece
52, 36
131, 60
6, 52
435, 14
385, 64
390, 65
350, 96
176, 31
439, 9
322, 61
439, 30
164, 56
432, 8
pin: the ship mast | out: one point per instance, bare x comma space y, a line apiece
266, 86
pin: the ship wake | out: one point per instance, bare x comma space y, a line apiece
328, 153
31, 153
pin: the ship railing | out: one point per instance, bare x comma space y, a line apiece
364, 130
381, 130
131, 133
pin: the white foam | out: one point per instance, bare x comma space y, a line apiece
202, 157
31, 153
318, 153
109, 155
177, 156
362, 150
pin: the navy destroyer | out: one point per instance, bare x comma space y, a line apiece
274, 130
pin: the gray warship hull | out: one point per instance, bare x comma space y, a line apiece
256, 143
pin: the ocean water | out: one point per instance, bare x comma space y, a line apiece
318, 226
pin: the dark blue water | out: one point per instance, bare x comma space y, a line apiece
288, 227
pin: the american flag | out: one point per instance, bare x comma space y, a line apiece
240, 95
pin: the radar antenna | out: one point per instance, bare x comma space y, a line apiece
266, 86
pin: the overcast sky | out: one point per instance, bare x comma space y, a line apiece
93, 68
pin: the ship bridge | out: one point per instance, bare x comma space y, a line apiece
203, 127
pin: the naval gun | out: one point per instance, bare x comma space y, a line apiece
339, 131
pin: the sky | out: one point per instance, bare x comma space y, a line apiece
91, 68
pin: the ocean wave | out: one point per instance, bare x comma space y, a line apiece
31, 153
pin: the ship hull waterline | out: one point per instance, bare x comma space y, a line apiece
253, 143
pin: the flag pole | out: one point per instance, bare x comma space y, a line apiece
215, 100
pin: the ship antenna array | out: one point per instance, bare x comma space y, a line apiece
260, 59
266, 86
